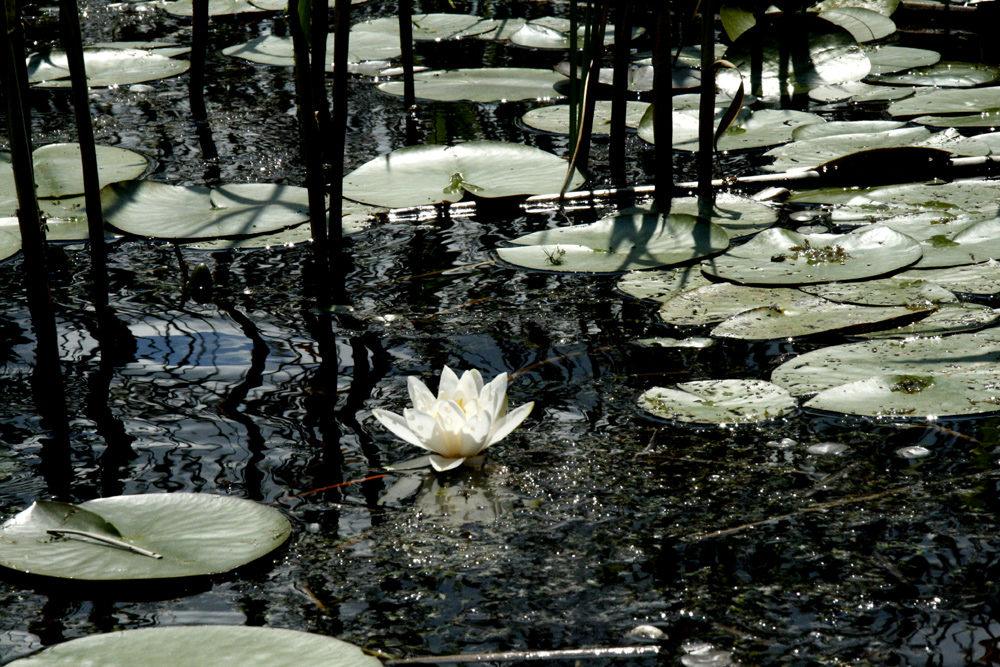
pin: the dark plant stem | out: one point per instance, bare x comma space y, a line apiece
196, 85
593, 50
619, 103
337, 142
406, 47
318, 11
663, 128
706, 110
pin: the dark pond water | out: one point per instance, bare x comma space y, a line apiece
586, 522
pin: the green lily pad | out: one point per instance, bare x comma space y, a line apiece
58, 171
891, 291
833, 366
105, 67
666, 342
279, 50
864, 25
498, 84
154, 536
949, 318
808, 316
975, 279
555, 118
738, 215
624, 242
883, 7
945, 74
811, 153
57, 230
10, 244
163, 211
782, 257
661, 285
430, 27
952, 243
948, 101
916, 396
717, 302
859, 93
721, 402
758, 129
844, 127
989, 118
419, 175
215, 7
887, 58
829, 55
203, 646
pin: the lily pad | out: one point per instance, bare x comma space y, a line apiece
945, 74
916, 396
419, 175
891, 291
948, 101
765, 127
622, 242
430, 27
808, 316
738, 215
10, 244
203, 646
717, 302
555, 118
721, 402
154, 536
105, 67
833, 366
889, 58
661, 285
949, 318
844, 127
864, 25
953, 244
58, 171
215, 7
824, 54
278, 50
498, 84
859, 93
989, 118
811, 153
163, 211
550, 32
975, 279
782, 257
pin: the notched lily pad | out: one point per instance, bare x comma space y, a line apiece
721, 402
155, 536
916, 396
624, 242
717, 302
105, 67
431, 174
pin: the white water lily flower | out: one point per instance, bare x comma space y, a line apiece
466, 417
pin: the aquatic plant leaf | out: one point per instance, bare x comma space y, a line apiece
783, 257
498, 84
550, 32
949, 318
57, 230
719, 402
811, 153
756, 129
163, 211
864, 25
419, 175
203, 646
184, 535
883, 7
58, 170
691, 342
661, 285
951, 243
989, 118
887, 58
916, 396
623, 242
800, 52
975, 279
105, 67
10, 244
279, 50
844, 127
739, 216
947, 101
555, 118
430, 27
810, 315
859, 93
717, 302
833, 366
891, 291
945, 74
215, 7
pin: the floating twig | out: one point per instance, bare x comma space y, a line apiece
518, 656
102, 540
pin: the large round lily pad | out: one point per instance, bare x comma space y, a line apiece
978, 279
889, 58
949, 318
891, 291
498, 84
948, 101
105, 67
864, 25
717, 302
430, 174
555, 118
662, 285
154, 536
833, 366
945, 74
163, 211
623, 242
916, 396
203, 646
783, 257
58, 171
719, 402
279, 49
954, 244
811, 153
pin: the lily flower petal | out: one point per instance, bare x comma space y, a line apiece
422, 425
475, 433
441, 463
397, 425
449, 381
420, 395
509, 423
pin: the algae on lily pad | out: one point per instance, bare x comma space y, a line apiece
432, 174
833, 366
497, 84
913, 396
203, 646
720, 402
954, 243
152, 536
162, 211
105, 67
623, 242
782, 257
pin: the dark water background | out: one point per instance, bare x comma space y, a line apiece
584, 523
